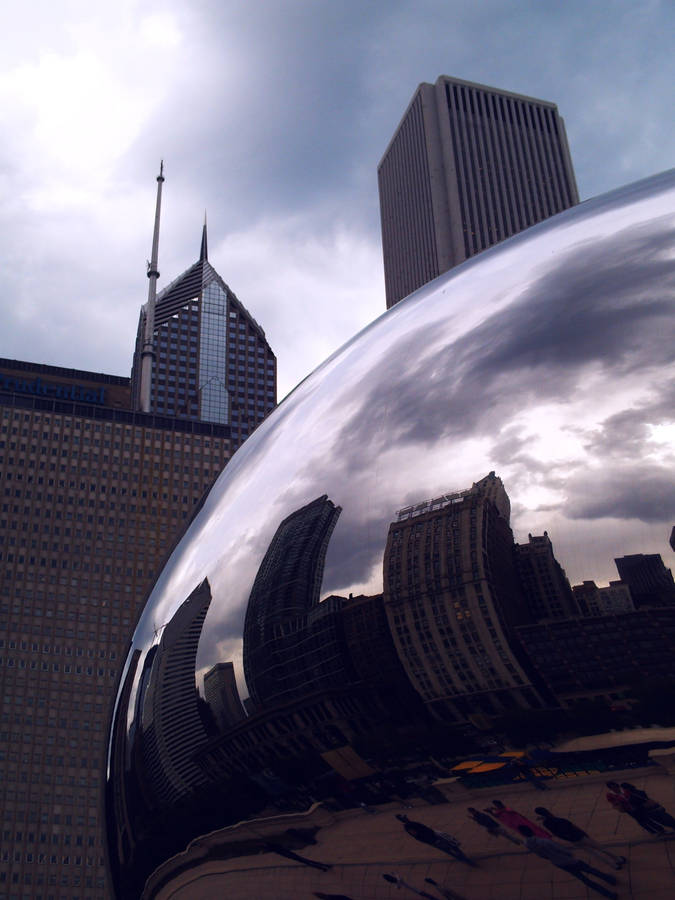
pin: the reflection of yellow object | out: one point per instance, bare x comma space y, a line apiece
347, 762
516, 754
488, 767
466, 765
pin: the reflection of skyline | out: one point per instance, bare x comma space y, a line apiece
171, 726
452, 596
287, 634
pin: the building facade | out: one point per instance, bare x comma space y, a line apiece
452, 599
212, 359
650, 582
604, 656
543, 580
468, 166
92, 497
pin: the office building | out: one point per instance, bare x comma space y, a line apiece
547, 591
452, 598
92, 496
292, 643
222, 695
602, 657
650, 582
212, 361
468, 166
614, 599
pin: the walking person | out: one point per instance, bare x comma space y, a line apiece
445, 892
623, 803
393, 878
439, 839
513, 819
568, 831
563, 858
652, 808
493, 828
271, 847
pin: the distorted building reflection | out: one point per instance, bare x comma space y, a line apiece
452, 598
291, 643
222, 696
547, 591
170, 721
650, 582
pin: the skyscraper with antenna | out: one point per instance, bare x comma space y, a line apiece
199, 353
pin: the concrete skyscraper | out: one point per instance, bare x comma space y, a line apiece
468, 166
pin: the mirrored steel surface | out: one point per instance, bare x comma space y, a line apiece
347, 591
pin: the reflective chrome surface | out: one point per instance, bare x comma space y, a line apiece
280, 657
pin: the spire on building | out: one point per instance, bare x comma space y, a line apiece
148, 352
204, 251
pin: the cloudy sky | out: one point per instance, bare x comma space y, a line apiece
272, 116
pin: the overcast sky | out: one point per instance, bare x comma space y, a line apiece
272, 116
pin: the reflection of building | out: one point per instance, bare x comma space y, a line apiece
291, 642
95, 495
467, 167
172, 727
602, 656
601, 601
213, 361
452, 596
650, 583
543, 580
222, 696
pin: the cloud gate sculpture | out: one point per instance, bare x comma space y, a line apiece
348, 601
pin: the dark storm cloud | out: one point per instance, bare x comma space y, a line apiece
627, 433
641, 491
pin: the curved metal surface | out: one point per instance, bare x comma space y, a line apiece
346, 595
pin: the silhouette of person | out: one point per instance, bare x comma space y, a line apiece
493, 828
513, 819
439, 839
445, 892
289, 854
564, 859
568, 831
393, 878
623, 803
650, 807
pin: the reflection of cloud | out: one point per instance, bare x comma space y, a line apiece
593, 308
639, 491
627, 433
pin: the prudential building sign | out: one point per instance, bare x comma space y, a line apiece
39, 388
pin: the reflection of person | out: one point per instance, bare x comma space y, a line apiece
393, 878
643, 802
622, 803
564, 859
493, 828
568, 831
439, 839
289, 854
322, 896
445, 892
514, 820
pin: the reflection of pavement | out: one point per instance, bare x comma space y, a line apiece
361, 847
616, 739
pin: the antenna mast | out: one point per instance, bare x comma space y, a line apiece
148, 351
